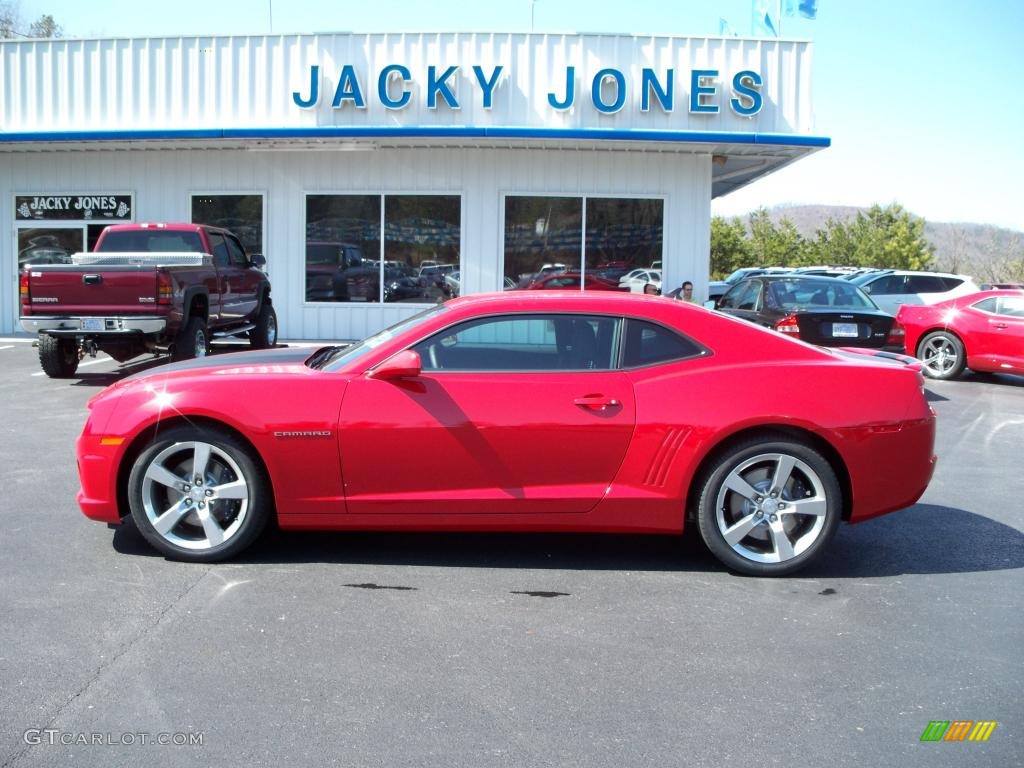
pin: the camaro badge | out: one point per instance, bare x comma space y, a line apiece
315, 434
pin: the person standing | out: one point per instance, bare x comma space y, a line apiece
684, 293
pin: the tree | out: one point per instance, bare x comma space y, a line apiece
729, 247
11, 25
888, 238
772, 246
45, 26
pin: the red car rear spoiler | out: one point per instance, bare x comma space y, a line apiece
897, 359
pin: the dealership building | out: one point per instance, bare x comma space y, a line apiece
379, 173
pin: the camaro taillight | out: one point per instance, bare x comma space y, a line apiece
789, 325
164, 288
26, 296
897, 336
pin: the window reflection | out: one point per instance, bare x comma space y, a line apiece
421, 237
241, 214
544, 239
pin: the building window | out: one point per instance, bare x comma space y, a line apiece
544, 236
241, 214
409, 254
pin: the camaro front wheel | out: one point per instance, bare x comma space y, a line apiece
198, 495
769, 506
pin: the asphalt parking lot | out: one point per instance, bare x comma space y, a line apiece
509, 650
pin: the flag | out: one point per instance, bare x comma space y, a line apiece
761, 20
725, 29
789, 8
809, 9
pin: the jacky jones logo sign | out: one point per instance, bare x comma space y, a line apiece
608, 89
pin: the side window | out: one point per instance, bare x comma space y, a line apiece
236, 253
220, 249
523, 343
750, 297
648, 343
950, 283
1011, 306
886, 286
925, 284
986, 305
728, 301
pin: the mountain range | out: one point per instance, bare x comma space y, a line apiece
986, 252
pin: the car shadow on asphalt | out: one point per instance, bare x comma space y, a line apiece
924, 539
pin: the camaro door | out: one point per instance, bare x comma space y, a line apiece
512, 414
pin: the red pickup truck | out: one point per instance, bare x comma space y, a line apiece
147, 288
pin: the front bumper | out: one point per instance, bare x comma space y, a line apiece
87, 326
98, 459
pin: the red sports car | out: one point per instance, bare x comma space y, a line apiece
983, 331
526, 411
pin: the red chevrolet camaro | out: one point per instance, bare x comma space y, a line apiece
546, 411
983, 331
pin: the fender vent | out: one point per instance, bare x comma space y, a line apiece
666, 454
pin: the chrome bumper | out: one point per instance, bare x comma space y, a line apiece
75, 326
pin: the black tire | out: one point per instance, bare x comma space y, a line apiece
59, 357
943, 355
767, 536
264, 335
192, 341
203, 526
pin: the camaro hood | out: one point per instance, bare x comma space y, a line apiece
281, 356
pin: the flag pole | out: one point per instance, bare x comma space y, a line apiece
778, 18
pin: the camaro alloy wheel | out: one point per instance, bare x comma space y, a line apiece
942, 354
198, 495
768, 507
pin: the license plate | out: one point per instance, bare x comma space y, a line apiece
92, 324
844, 330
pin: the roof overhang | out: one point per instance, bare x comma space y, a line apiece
736, 158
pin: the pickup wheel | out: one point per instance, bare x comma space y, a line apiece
199, 494
193, 340
264, 335
59, 357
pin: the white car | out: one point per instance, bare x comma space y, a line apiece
636, 280
891, 288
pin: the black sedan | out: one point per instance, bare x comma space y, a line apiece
819, 310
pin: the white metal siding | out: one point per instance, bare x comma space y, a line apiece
247, 82
162, 181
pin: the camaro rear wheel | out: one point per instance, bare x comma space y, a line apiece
769, 506
198, 495
943, 355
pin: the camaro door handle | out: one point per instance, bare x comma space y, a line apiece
596, 402
999, 326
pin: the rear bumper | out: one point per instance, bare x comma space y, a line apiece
890, 466
75, 326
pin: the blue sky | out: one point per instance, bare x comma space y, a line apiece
921, 99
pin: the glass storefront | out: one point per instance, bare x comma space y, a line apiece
410, 254
240, 214
544, 238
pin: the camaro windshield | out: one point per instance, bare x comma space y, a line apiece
341, 356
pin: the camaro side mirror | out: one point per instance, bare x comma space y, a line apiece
258, 260
710, 304
405, 365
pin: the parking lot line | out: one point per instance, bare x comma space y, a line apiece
7, 346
